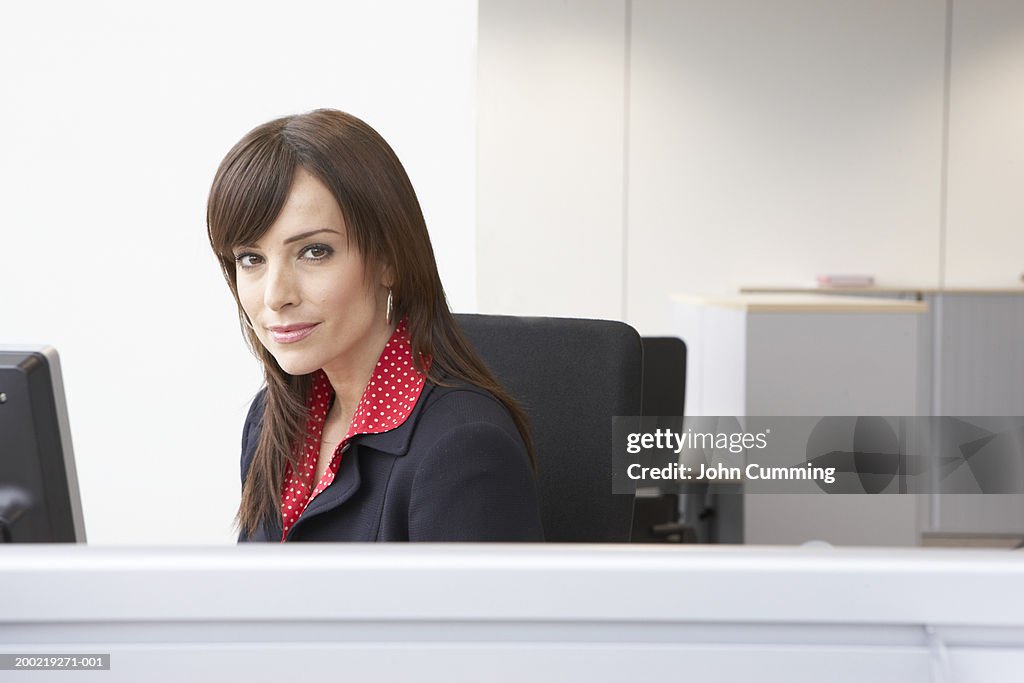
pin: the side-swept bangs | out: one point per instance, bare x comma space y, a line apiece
248, 192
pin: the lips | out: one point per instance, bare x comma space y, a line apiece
289, 334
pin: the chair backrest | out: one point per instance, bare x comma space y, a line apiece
656, 517
571, 376
664, 376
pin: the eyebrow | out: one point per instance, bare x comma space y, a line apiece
301, 236
304, 235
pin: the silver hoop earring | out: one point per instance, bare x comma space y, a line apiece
391, 308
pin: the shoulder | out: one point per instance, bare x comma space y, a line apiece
251, 428
456, 397
467, 470
254, 417
459, 406
462, 432
255, 414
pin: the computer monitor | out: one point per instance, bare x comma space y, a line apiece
39, 500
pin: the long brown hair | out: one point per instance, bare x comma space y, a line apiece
380, 208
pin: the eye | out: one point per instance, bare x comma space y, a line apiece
316, 252
248, 260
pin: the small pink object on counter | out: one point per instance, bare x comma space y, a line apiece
845, 280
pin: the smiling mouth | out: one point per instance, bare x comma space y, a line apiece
291, 335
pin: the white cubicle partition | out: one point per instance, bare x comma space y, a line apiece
517, 613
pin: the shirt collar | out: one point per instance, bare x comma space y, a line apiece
392, 392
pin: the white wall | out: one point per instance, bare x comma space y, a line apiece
764, 143
770, 142
984, 233
551, 113
115, 116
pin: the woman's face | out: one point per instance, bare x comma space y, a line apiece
305, 289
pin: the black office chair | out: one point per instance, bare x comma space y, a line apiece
705, 514
664, 376
571, 377
656, 517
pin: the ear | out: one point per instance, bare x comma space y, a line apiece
387, 276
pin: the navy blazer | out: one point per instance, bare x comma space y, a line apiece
455, 470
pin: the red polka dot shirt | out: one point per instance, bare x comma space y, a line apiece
386, 403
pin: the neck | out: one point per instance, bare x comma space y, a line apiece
350, 375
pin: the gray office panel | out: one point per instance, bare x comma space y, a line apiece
969, 362
979, 355
979, 370
832, 364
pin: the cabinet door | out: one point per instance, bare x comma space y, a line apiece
978, 349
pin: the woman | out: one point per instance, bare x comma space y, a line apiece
378, 422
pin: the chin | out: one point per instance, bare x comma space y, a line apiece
295, 363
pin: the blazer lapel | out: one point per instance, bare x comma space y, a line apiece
341, 489
344, 487
394, 443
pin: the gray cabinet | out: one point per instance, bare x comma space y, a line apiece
970, 362
802, 354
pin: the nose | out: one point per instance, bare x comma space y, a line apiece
281, 288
